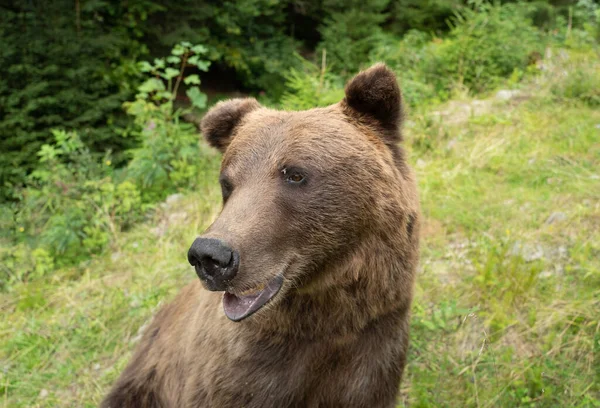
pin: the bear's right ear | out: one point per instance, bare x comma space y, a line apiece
219, 123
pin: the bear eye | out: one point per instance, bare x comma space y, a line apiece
226, 188
293, 176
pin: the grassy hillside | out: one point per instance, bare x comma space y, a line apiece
507, 301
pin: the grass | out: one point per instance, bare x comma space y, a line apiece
507, 302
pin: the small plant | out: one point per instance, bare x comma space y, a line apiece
169, 154
310, 87
72, 207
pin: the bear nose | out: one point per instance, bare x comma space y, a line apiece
215, 262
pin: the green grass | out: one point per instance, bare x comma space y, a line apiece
507, 305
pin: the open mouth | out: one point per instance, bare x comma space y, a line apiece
238, 307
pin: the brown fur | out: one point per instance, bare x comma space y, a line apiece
346, 242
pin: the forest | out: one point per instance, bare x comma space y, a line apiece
104, 177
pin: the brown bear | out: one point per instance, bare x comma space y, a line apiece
306, 276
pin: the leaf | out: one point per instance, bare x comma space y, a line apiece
178, 50
172, 59
192, 79
170, 73
197, 98
164, 95
152, 85
145, 66
199, 49
203, 65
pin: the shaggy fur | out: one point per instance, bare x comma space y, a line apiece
346, 240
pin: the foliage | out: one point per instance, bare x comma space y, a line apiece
576, 77
427, 15
312, 86
350, 32
72, 207
74, 203
66, 68
249, 37
486, 43
168, 156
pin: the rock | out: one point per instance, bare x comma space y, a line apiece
507, 94
173, 198
529, 252
556, 217
532, 252
43, 393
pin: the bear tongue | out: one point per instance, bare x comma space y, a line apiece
239, 307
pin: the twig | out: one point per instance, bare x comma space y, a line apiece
180, 76
323, 69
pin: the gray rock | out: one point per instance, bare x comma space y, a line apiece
555, 217
173, 198
529, 252
507, 94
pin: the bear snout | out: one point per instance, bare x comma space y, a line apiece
215, 262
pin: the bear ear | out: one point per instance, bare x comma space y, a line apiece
219, 123
373, 97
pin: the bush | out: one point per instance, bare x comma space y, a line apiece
312, 86
72, 207
576, 77
407, 57
486, 44
64, 68
75, 204
168, 155
350, 32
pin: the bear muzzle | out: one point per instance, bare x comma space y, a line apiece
215, 262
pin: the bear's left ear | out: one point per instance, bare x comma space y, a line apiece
373, 98
219, 124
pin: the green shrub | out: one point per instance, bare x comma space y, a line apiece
350, 32
75, 204
407, 57
423, 15
72, 207
312, 86
577, 78
64, 68
486, 44
168, 155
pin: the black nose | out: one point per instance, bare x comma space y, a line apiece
216, 264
